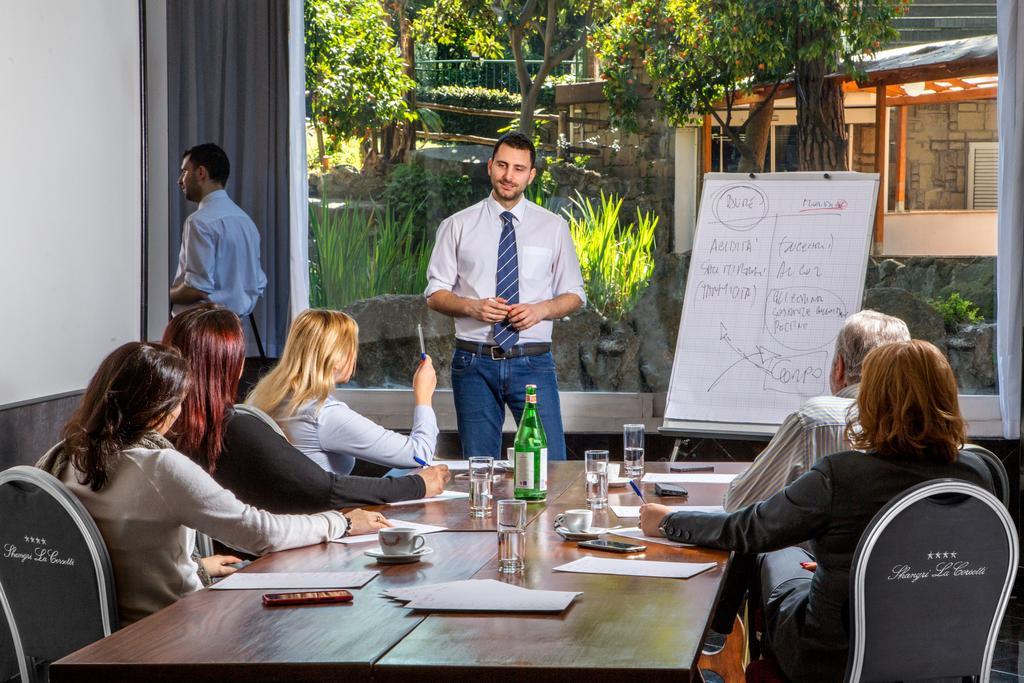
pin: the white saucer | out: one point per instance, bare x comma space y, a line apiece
590, 534
398, 559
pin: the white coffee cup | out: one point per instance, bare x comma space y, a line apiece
575, 520
400, 541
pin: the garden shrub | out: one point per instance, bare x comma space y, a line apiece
430, 197
479, 98
957, 311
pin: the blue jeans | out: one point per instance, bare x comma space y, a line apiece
482, 387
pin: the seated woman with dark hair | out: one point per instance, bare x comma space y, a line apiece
147, 498
243, 449
907, 421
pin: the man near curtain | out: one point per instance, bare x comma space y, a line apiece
504, 269
219, 259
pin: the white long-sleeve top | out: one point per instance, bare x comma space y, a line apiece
148, 511
335, 435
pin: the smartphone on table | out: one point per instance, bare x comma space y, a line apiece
306, 598
612, 546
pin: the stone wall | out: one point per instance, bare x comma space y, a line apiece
938, 136
937, 151
636, 353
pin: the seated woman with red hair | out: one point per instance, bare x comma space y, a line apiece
244, 449
907, 422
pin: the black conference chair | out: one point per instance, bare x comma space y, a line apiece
929, 584
995, 468
56, 581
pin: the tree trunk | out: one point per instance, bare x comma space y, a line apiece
758, 129
821, 123
528, 107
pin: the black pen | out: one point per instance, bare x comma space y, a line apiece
691, 468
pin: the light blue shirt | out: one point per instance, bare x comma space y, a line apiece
220, 255
336, 435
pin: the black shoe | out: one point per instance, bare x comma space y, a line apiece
713, 644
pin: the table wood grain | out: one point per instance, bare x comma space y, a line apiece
620, 626
648, 628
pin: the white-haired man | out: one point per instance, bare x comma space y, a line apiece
819, 427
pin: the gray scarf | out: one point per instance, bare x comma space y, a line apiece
55, 459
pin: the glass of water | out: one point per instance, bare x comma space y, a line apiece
511, 536
480, 472
633, 450
596, 464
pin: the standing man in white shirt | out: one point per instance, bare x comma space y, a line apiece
220, 246
504, 269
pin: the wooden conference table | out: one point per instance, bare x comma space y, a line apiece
635, 627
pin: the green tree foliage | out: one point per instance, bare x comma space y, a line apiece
700, 54
554, 29
355, 75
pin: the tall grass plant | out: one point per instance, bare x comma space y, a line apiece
617, 261
362, 253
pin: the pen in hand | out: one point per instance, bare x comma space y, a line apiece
636, 490
423, 348
420, 461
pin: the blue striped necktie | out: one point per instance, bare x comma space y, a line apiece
507, 280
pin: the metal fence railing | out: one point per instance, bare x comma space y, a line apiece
489, 73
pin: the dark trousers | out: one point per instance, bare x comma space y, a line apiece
768, 574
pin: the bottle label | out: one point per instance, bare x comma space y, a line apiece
526, 477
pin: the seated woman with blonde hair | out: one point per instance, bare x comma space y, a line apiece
320, 352
907, 422
148, 499
243, 449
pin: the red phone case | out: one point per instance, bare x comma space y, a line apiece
306, 598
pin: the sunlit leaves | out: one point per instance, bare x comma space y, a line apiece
355, 76
696, 53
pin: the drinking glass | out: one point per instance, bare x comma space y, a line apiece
480, 472
633, 450
596, 464
511, 536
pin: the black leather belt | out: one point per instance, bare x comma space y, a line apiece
497, 353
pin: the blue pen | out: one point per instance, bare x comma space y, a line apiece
421, 461
636, 490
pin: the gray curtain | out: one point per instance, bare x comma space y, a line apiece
1009, 287
227, 82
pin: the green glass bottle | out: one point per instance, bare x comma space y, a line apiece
531, 463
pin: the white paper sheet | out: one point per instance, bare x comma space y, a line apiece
636, 534
633, 511
440, 498
486, 595
613, 475
398, 524
665, 570
305, 581
687, 477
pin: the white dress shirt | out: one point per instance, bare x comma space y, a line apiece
220, 255
465, 262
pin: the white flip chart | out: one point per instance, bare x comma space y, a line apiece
778, 263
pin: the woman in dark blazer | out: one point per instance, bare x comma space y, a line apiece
244, 450
908, 426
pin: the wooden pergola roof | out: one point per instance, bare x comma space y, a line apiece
947, 71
